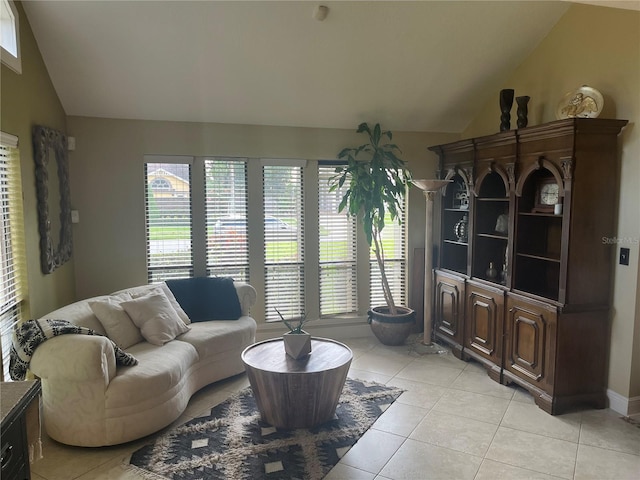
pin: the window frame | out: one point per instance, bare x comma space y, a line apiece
159, 273
14, 307
14, 62
297, 308
351, 296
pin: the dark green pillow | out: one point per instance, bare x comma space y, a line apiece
207, 298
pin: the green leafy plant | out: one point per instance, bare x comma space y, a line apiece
377, 182
295, 329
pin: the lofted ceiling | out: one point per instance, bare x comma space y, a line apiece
413, 66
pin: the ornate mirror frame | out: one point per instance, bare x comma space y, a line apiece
55, 247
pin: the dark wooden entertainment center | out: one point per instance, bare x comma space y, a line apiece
523, 286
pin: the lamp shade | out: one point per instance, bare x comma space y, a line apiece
430, 185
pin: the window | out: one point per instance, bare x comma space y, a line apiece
226, 218
250, 219
12, 258
168, 221
283, 240
337, 250
394, 247
10, 35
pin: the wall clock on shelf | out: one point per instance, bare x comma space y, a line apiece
547, 195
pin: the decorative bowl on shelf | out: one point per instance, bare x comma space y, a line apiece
585, 102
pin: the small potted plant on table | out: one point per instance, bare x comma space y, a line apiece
297, 342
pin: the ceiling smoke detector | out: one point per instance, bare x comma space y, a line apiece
320, 12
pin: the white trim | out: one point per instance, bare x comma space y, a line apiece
169, 159
14, 62
283, 162
623, 405
8, 140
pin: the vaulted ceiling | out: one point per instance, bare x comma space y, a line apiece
414, 66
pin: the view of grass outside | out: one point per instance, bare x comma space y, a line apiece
275, 249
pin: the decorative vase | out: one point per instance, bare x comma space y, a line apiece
492, 273
460, 229
523, 111
503, 274
506, 101
391, 329
297, 345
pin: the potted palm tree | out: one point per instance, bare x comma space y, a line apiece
377, 181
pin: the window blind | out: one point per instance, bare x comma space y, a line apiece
283, 240
168, 221
395, 246
226, 218
337, 249
12, 257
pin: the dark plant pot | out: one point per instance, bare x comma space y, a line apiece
391, 329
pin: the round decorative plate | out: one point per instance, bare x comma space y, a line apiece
585, 102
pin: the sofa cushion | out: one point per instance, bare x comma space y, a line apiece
159, 370
211, 338
116, 322
207, 298
153, 314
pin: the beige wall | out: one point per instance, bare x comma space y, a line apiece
599, 47
107, 178
30, 99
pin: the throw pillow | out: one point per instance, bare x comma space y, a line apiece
161, 287
207, 298
116, 322
157, 319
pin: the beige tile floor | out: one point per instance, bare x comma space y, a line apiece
452, 422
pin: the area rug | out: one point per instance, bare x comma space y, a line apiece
232, 443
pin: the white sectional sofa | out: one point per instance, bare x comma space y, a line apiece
88, 401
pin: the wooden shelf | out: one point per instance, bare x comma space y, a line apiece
492, 199
544, 258
532, 214
496, 236
455, 242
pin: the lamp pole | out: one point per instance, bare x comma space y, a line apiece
431, 188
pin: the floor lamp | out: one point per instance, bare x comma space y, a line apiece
430, 189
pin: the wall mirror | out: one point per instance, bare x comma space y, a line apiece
54, 198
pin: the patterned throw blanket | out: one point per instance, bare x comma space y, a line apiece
28, 335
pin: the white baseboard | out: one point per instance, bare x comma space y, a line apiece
623, 405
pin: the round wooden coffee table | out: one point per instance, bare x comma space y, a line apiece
299, 393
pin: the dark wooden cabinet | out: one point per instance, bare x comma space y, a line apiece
449, 307
523, 279
530, 333
483, 324
16, 398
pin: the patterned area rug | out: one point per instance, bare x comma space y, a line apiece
232, 443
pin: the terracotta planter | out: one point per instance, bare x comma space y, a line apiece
391, 329
297, 345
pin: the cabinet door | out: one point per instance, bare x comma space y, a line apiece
449, 308
530, 330
483, 322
